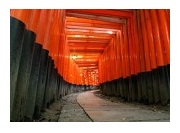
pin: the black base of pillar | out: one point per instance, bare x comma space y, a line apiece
17, 30
41, 83
33, 81
147, 87
23, 77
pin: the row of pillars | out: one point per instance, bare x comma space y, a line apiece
147, 87
34, 81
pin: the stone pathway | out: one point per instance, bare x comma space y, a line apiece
101, 110
89, 106
72, 112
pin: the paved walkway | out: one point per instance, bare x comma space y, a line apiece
72, 112
101, 110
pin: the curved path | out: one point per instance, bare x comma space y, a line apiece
72, 112
86, 107
101, 110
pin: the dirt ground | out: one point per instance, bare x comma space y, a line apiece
52, 113
73, 112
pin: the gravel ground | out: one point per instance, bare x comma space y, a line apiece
65, 110
72, 111
52, 113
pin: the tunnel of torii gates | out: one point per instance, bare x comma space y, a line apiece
55, 52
